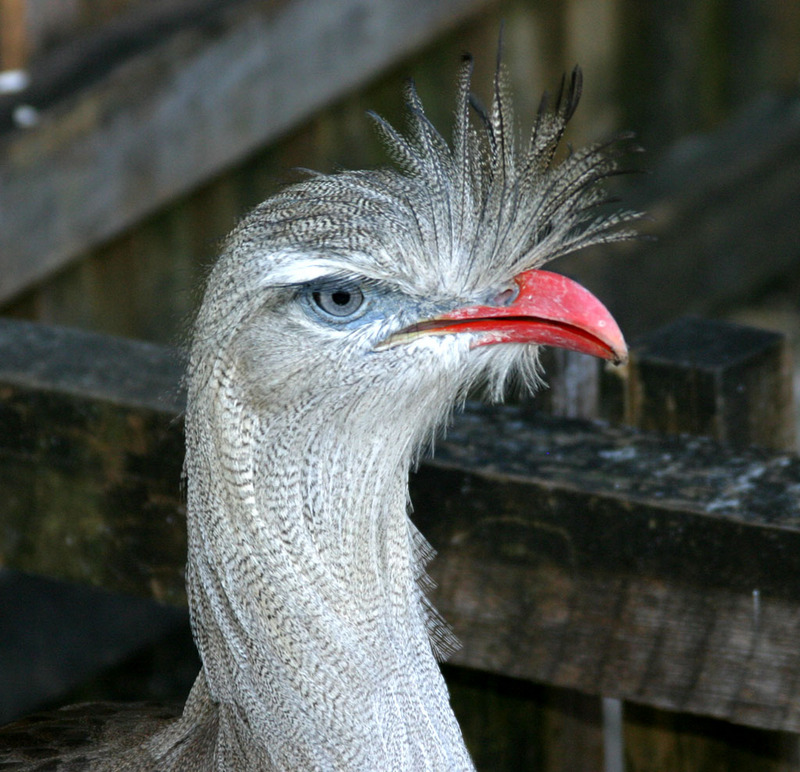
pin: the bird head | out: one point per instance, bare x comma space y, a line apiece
396, 286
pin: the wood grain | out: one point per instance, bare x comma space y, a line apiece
186, 107
656, 569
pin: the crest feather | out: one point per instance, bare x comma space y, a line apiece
491, 208
451, 219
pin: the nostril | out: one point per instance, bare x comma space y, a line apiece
506, 297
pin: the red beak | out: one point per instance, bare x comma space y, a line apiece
549, 309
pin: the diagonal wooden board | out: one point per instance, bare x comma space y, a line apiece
177, 112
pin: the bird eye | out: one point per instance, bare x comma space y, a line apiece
340, 302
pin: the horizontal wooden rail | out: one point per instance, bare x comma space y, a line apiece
662, 570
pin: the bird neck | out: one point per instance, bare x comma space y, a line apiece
304, 584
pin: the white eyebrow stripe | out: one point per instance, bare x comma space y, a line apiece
302, 271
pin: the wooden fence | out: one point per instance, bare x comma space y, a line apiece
592, 557
624, 595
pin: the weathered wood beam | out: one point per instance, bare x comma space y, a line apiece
618, 563
91, 450
657, 569
691, 377
180, 110
734, 384
709, 378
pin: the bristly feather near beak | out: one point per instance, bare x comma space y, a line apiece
547, 309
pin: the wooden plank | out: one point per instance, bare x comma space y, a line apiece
184, 109
617, 563
732, 383
714, 379
92, 449
661, 570
87, 44
88, 366
14, 45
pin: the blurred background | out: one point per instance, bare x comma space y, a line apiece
135, 133
148, 127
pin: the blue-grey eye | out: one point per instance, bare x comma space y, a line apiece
340, 302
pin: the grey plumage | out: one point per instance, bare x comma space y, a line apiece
305, 576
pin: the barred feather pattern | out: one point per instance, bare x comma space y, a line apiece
465, 215
305, 576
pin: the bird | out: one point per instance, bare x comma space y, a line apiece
347, 317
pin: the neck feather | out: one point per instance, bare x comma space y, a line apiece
304, 583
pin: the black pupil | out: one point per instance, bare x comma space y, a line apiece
339, 301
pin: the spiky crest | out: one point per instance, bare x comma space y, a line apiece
491, 209
458, 217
